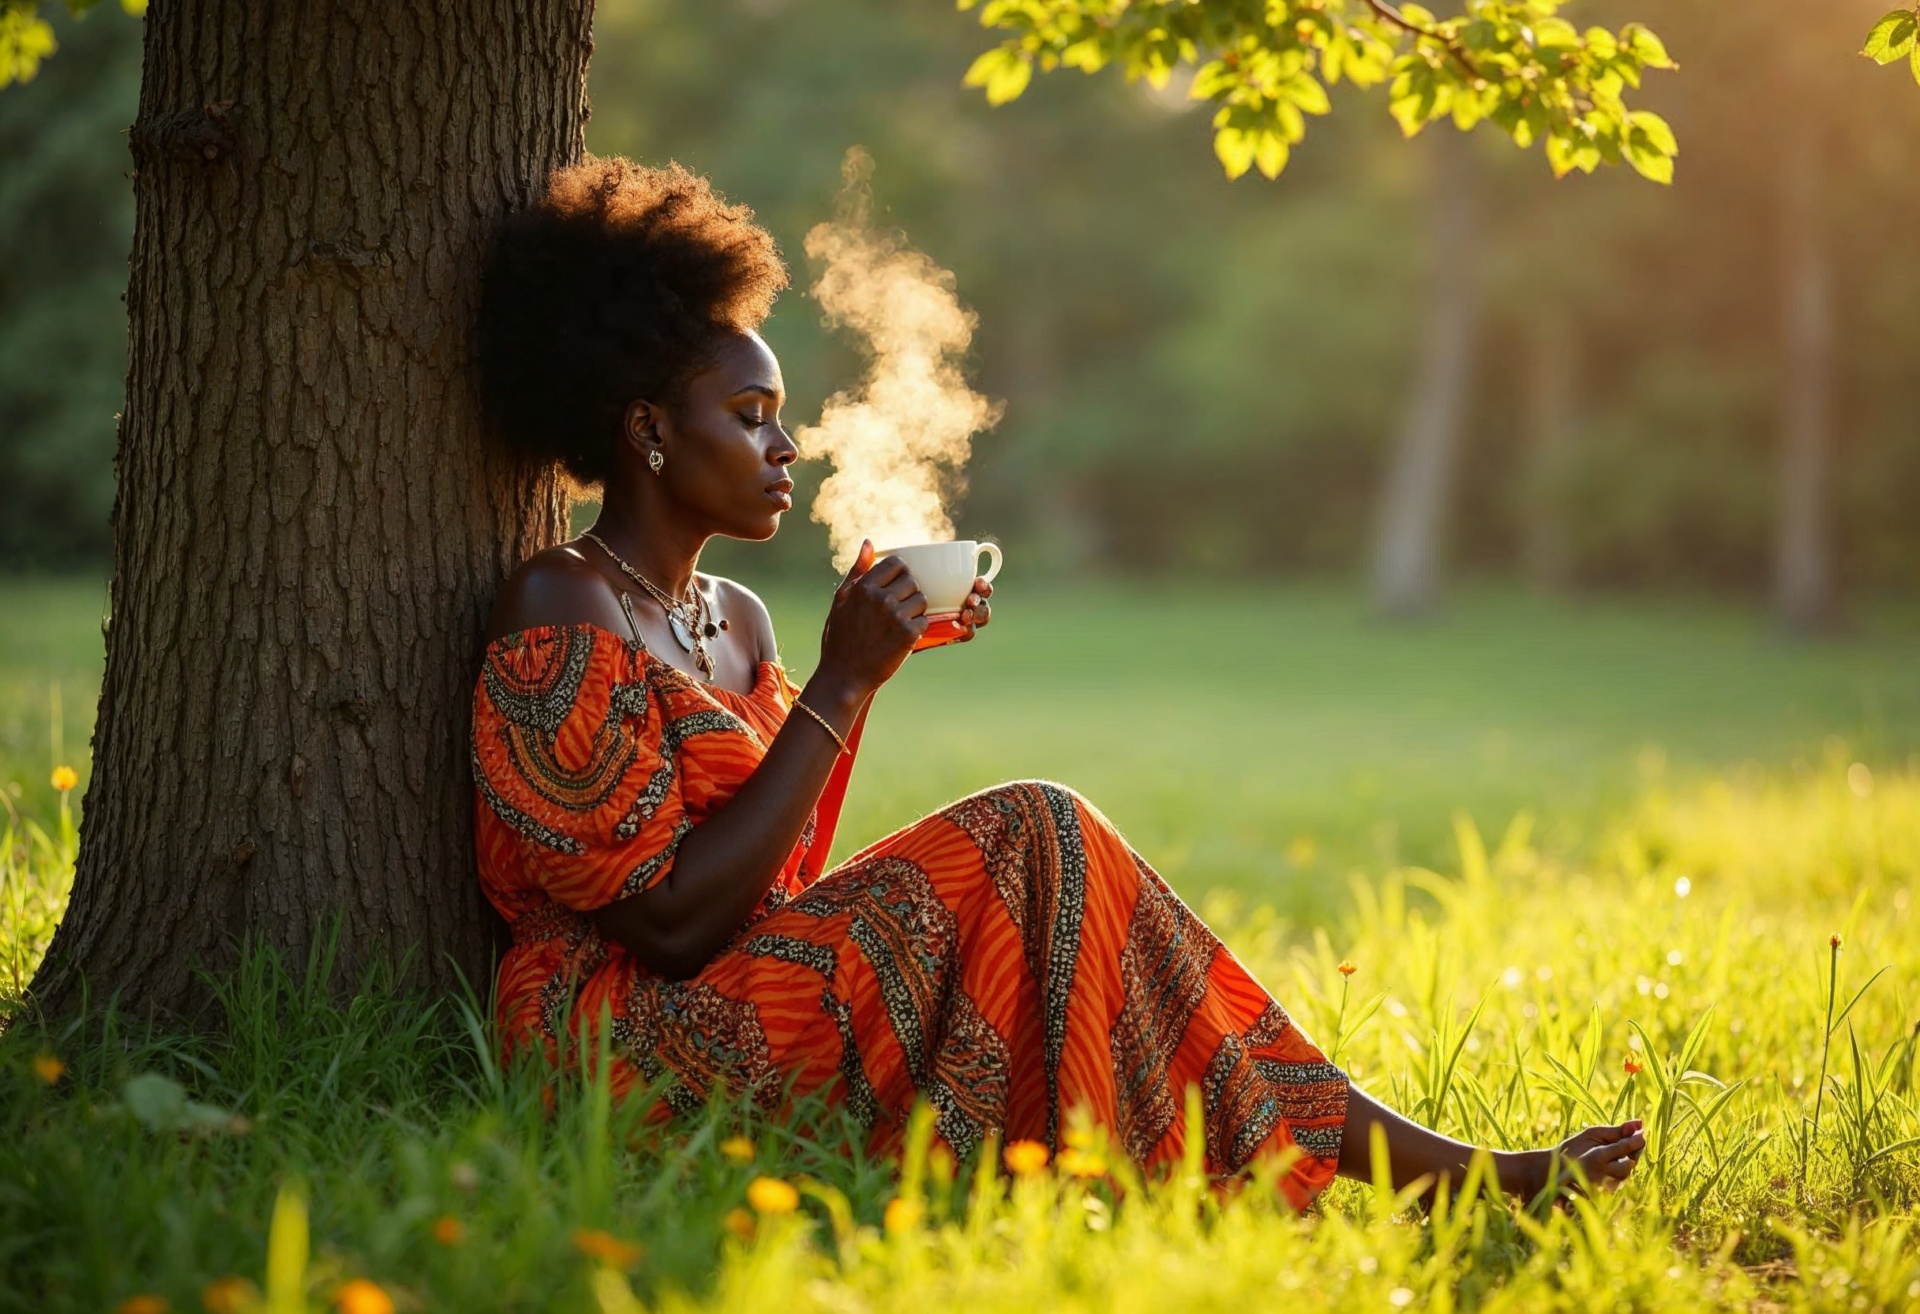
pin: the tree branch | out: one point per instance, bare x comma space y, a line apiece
1400, 20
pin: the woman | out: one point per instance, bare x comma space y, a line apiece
650, 816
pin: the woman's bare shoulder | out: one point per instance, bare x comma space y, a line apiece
743, 606
558, 586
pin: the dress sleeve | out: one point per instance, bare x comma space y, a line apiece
579, 791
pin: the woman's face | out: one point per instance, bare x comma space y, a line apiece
726, 451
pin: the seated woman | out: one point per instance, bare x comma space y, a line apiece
650, 817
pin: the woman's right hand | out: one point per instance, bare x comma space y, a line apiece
878, 613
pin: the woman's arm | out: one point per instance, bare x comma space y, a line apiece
727, 862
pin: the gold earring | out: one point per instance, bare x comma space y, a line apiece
655, 460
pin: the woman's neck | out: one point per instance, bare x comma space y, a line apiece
649, 548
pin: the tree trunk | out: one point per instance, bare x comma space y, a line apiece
1410, 533
308, 527
1803, 584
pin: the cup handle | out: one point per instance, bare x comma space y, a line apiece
992, 550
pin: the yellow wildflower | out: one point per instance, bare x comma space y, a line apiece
363, 1297
770, 1195
448, 1230
1025, 1157
737, 1148
902, 1214
48, 1068
64, 779
1082, 1163
143, 1304
228, 1295
606, 1247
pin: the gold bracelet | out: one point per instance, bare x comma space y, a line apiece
823, 725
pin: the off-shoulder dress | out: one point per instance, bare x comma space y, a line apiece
1010, 956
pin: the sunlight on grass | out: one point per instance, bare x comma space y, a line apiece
1719, 938
1509, 999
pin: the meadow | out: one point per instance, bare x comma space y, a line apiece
1588, 859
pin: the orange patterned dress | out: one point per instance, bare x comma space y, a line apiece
1009, 956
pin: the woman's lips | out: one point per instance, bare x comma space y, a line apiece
781, 498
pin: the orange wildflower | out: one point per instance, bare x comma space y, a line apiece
448, 1230
228, 1295
902, 1214
606, 1247
363, 1297
1025, 1157
739, 1222
1835, 941
64, 779
1630, 1066
1348, 967
48, 1068
143, 1304
770, 1195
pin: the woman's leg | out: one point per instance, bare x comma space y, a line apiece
1413, 1152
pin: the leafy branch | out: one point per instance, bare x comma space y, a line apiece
1266, 65
26, 38
1894, 37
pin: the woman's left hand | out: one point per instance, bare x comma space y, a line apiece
976, 611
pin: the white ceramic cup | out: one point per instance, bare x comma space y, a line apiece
945, 571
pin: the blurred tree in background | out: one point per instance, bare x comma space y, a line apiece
1203, 374
68, 220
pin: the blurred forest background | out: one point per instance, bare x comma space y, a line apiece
1591, 383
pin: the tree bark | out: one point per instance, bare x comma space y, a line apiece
1410, 533
309, 526
1803, 583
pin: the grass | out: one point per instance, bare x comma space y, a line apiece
1557, 842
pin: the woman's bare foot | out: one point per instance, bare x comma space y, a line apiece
1606, 1154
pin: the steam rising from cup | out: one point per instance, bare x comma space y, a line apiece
899, 442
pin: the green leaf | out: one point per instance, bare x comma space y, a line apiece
1213, 78
24, 41
1271, 154
1892, 37
1555, 34
1235, 147
1649, 163
161, 1105
1560, 148
1306, 92
1089, 56
1649, 48
1657, 131
1004, 72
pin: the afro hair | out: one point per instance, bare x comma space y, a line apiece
616, 285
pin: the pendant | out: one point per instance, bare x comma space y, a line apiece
681, 634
